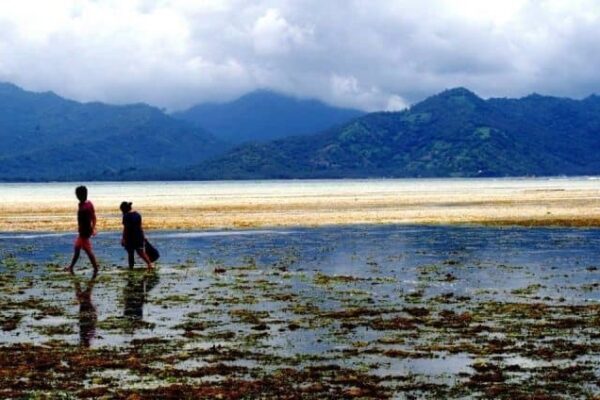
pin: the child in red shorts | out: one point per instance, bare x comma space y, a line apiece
86, 221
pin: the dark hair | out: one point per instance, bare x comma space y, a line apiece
125, 206
81, 193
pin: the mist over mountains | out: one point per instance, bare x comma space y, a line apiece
452, 134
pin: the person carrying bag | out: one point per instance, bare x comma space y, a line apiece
133, 239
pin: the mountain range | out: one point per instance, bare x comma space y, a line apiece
452, 134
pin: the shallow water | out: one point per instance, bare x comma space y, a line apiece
337, 296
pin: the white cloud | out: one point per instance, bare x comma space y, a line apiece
378, 54
273, 34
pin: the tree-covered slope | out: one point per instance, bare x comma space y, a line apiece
46, 137
454, 133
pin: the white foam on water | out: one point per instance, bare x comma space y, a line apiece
198, 234
29, 236
152, 235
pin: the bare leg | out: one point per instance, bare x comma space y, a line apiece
76, 252
145, 257
92, 258
130, 258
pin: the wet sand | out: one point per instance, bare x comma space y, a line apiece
566, 202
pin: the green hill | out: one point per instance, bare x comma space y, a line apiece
452, 134
46, 137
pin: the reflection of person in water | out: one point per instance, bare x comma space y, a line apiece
135, 293
87, 311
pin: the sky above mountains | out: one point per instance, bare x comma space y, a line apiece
367, 54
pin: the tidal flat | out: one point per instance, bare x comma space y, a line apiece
361, 311
51, 207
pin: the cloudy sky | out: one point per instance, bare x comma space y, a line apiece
369, 54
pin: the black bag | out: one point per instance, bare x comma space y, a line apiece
151, 251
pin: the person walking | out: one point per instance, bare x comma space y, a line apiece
86, 222
133, 235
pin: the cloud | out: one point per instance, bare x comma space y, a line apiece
374, 55
273, 34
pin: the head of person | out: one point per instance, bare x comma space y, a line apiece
125, 207
81, 193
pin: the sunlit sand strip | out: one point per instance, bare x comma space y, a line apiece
498, 203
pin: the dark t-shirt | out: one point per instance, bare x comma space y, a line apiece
85, 218
133, 233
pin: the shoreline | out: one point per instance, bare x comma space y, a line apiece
289, 229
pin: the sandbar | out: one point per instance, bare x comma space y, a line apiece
528, 202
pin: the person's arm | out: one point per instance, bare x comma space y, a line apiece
123, 242
142, 227
93, 218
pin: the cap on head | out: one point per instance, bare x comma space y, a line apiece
81, 193
125, 206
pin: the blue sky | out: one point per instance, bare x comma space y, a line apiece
369, 54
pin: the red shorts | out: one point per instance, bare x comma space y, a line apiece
83, 243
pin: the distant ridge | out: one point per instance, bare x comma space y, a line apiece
46, 137
263, 115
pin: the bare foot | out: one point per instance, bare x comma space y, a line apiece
150, 266
69, 270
